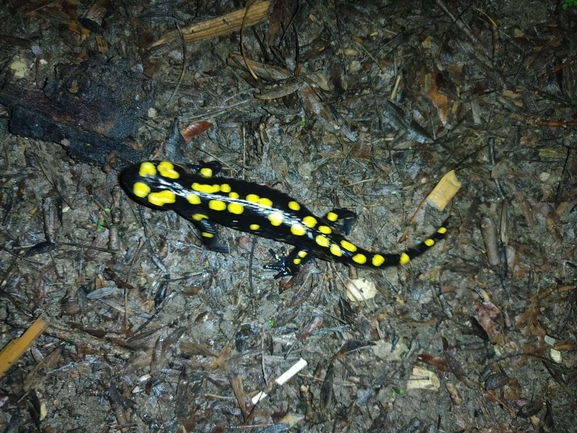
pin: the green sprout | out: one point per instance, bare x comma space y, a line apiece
394, 393
567, 3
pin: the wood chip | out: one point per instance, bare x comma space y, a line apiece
421, 378
445, 190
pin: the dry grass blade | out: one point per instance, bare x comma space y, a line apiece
219, 26
240, 395
15, 348
262, 70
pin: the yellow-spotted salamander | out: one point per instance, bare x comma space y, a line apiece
195, 194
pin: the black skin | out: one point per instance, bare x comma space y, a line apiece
306, 239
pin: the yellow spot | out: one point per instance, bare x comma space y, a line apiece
193, 198
322, 240
235, 208
253, 198
361, 259
378, 260
265, 202
207, 235
161, 198
404, 259
140, 189
297, 261
276, 218
147, 169
325, 230
166, 169
199, 217
294, 205
207, 189
302, 254
225, 187
348, 246
254, 227
310, 221
429, 242
298, 230
442, 230
331, 216
216, 205
233, 195
206, 172
336, 250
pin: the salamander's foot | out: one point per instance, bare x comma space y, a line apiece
280, 263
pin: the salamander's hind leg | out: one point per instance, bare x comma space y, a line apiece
287, 265
342, 219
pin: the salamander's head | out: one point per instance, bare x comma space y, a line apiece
153, 183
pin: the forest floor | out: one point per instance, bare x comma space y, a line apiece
134, 326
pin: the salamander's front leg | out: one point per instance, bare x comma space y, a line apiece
287, 265
205, 169
208, 232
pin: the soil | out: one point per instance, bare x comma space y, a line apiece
364, 106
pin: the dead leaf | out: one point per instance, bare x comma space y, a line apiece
429, 84
490, 318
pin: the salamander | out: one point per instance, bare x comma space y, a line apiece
195, 193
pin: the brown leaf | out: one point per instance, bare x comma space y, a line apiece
440, 101
530, 408
490, 318
223, 357
281, 17
528, 322
327, 393
238, 391
195, 129
436, 362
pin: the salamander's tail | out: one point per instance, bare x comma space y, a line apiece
379, 260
